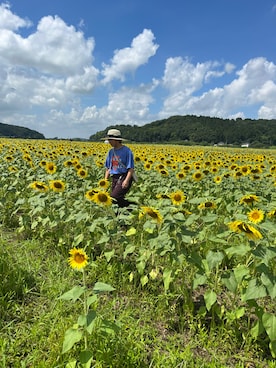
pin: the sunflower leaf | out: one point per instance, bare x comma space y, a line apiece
73, 294
102, 287
72, 336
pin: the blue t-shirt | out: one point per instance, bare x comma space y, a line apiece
118, 161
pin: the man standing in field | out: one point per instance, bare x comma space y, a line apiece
119, 165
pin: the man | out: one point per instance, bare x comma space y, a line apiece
120, 166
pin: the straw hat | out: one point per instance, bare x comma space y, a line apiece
114, 134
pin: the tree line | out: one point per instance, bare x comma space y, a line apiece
14, 131
201, 130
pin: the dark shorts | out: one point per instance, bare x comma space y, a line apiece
118, 192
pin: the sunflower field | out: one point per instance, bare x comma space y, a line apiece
185, 277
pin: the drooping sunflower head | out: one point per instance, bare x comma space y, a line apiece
249, 199
177, 197
39, 186
152, 213
57, 185
78, 258
248, 230
207, 205
255, 215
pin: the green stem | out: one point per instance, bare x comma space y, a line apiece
85, 307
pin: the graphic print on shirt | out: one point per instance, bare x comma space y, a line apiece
116, 162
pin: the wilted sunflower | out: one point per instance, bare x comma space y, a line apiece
255, 215
57, 185
177, 197
162, 196
249, 199
207, 205
103, 183
248, 230
38, 185
78, 258
12, 169
82, 173
151, 212
50, 168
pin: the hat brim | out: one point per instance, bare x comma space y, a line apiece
114, 138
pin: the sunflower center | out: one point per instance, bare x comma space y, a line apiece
102, 197
79, 258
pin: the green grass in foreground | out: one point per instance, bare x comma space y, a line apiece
155, 330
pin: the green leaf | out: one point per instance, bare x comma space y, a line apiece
214, 259
240, 272
109, 255
270, 286
144, 280
257, 329
230, 282
71, 364
72, 336
269, 322
73, 294
239, 250
167, 279
131, 231
129, 249
210, 298
100, 287
91, 299
199, 280
90, 321
86, 358
254, 291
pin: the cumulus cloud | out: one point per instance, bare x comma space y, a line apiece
48, 81
130, 58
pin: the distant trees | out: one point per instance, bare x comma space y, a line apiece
200, 129
14, 131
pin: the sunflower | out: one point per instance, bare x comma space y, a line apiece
248, 230
102, 198
57, 185
162, 196
103, 183
147, 166
217, 179
12, 169
180, 175
249, 199
272, 213
151, 212
38, 185
164, 172
255, 216
207, 205
50, 168
82, 173
197, 176
68, 163
78, 258
177, 197
90, 194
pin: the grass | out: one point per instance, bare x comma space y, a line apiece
155, 329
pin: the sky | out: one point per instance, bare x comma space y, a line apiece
69, 69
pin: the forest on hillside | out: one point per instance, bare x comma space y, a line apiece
200, 130
14, 131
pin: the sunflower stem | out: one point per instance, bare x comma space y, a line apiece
85, 307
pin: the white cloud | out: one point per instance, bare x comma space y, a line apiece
127, 60
10, 21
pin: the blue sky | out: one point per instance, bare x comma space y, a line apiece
71, 68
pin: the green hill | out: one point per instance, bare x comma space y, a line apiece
14, 131
201, 130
